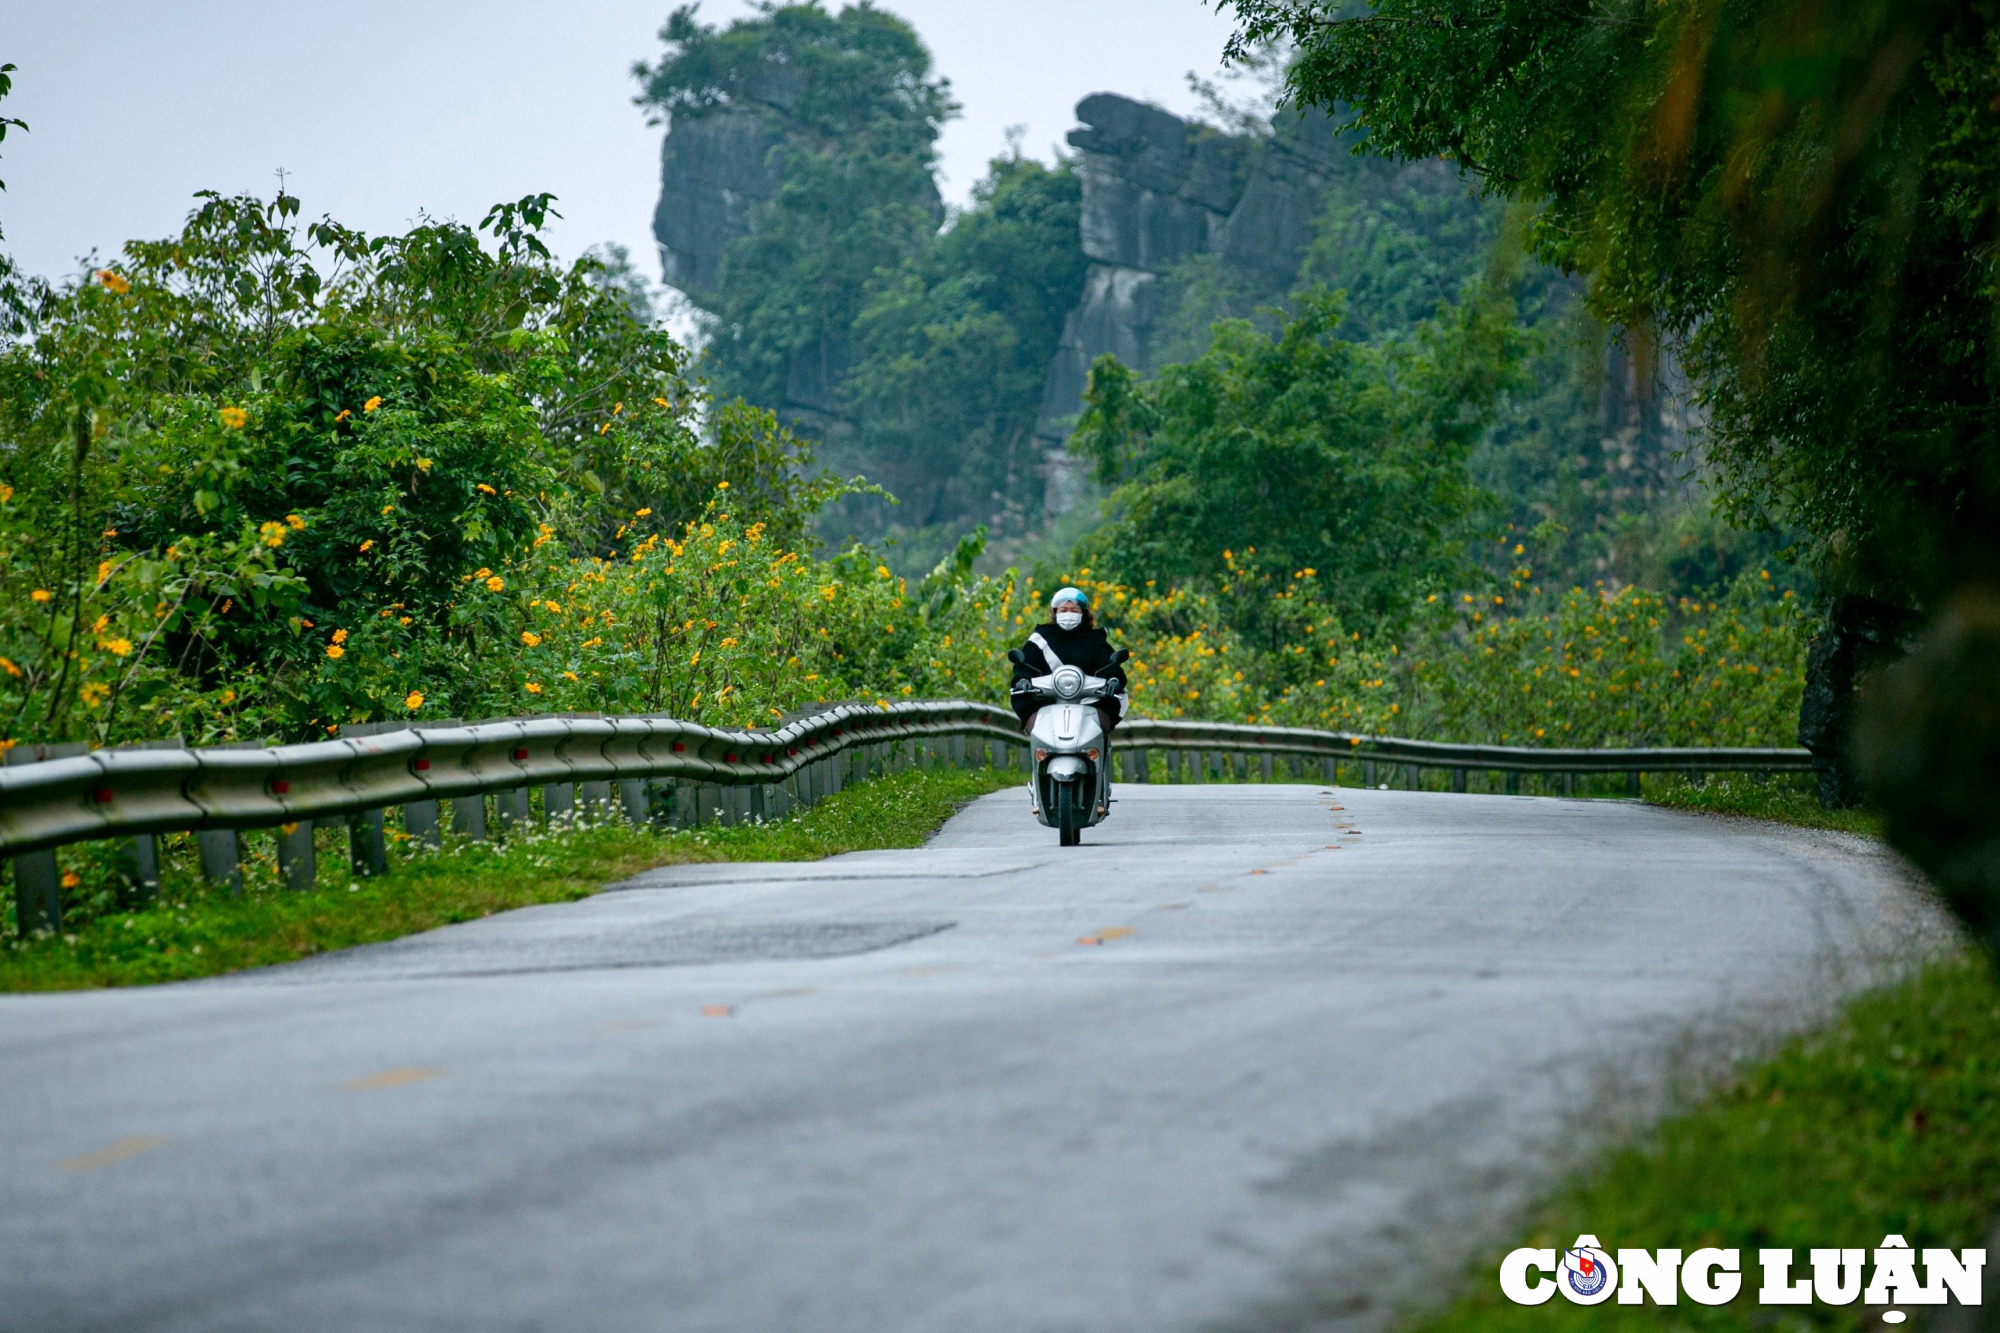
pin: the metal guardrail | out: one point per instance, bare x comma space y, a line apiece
123, 792
49, 799
1343, 746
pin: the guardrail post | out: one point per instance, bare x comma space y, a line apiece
1269, 765
1632, 782
596, 798
468, 817
1367, 772
221, 858
366, 846
632, 796
510, 809
420, 821
1569, 783
558, 801
140, 862
297, 866
1513, 783
37, 893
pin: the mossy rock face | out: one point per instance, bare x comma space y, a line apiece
1930, 748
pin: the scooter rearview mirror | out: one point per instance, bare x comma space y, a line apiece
1017, 657
1119, 658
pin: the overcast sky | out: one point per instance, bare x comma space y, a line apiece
380, 109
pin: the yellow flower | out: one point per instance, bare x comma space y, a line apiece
532, 639
295, 523
99, 625
227, 696
70, 879
112, 282
388, 509
41, 595
402, 620
10, 668
532, 688
495, 584
117, 647
413, 700
342, 415
423, 465
7, 493
488, 489
340, 636
368, 546
553, 606
481, 572
273, 534
721, 485
335, 651
94, 693
643, 513
234, 417
569, 675
372, 404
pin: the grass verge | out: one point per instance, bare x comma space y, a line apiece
198, 931
1783, 799
1886, 1122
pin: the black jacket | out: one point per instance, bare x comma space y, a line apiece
1086, 649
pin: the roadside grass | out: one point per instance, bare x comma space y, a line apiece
1781, 798
1885, 1122
198, 930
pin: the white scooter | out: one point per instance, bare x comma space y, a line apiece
1072, 755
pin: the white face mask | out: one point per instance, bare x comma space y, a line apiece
1069, 618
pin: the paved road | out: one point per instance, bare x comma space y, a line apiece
1251, 1058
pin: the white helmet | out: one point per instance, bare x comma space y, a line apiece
1068, 595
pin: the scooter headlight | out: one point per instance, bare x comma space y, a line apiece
1068, 683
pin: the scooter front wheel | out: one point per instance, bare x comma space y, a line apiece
1069, 819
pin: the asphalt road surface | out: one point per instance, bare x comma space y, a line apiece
1257, 1057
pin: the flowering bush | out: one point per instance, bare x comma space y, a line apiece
1602, 668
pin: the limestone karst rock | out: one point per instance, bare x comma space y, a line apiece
713, 170
1158, 190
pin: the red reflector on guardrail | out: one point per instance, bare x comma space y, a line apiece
679, 746
729, 759
102, 796
422, 765
521, 754
279, 786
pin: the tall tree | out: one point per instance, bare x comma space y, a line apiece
1802, 196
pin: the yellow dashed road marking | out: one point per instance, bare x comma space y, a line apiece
1106, 935
117, 1152
625, 1025
390, 1078
718, 1011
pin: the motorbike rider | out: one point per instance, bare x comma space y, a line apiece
1070, 637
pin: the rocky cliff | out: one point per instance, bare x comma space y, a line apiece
1158, 190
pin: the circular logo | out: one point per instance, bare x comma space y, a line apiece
1588, 1275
